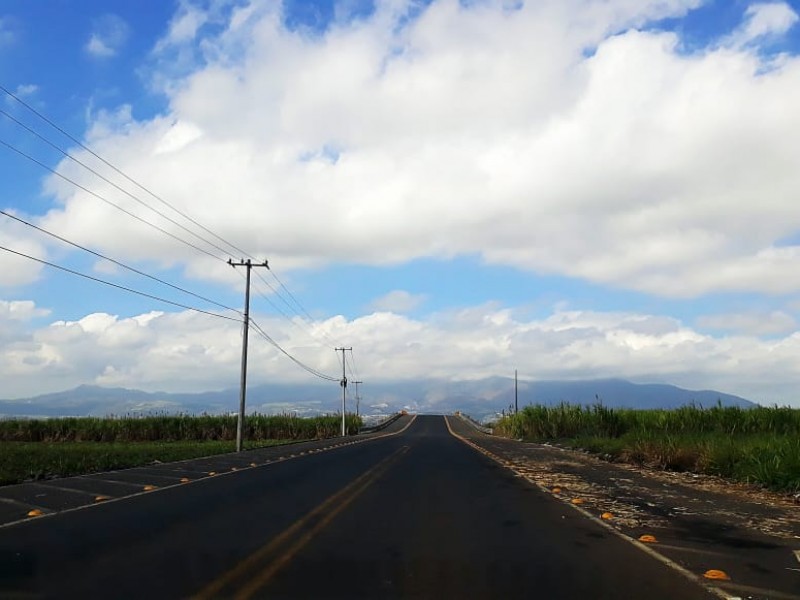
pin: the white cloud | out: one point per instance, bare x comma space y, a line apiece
470, 130
191, 352
16, 270
751, 323
398, 301
109, 34
764, 20
26, 89
20, 310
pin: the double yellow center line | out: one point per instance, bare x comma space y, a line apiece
255, 571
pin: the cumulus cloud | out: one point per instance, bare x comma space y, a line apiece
21, 310
192, 352
109, 34
398, 301
470, 129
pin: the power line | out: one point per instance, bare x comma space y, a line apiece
107, 201
294, 310
140, 201
300, 322
117, 170
107, 180
298, 362
118, 263
292, 296
115, 285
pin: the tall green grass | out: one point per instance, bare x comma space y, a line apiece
758, 445
174, 428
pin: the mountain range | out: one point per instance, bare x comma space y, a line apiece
480, 398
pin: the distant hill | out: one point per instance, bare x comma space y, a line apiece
479, 398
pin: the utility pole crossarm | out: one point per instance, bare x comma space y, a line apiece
248, 264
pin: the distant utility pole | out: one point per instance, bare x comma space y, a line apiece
243, 384
358, 398
343, 383
516, 394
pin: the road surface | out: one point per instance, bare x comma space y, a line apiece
413, 513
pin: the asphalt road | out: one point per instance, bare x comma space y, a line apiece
414, 514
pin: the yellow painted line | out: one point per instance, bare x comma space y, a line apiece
643, 547
35, 513
101, 498
333, 505
716, 574
648, 539
150, 488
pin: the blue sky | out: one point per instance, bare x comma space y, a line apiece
584, 189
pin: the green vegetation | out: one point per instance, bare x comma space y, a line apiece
173, 428
43, 448
757, 445
22, 461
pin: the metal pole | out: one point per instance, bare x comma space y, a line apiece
343, 383
516, 395
243, 382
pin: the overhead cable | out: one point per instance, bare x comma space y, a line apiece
107, 180
117, 286
298, 362
118, 263
117, 170
109, 202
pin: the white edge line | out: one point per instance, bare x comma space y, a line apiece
636, 543
53, 513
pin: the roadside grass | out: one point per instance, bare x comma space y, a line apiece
757, 445
25, 461
45, 448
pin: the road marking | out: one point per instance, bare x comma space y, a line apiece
35, 513
648, 539
643, 547
47, 512
757, 591
61, 488
333, 505
797, 554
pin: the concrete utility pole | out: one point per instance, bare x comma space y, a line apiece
343, 383
516, 403
358, 398
243, 383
